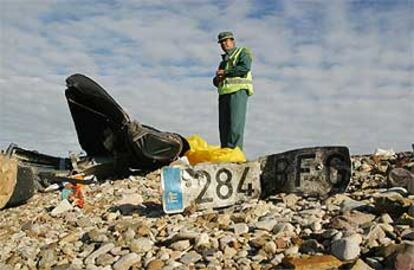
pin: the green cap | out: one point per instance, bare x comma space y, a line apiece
224, 35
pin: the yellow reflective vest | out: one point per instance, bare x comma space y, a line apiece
234, 84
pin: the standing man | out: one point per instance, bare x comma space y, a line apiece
234, 83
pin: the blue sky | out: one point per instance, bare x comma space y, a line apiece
325, 72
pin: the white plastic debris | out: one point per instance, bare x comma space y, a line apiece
384, 152
54, 187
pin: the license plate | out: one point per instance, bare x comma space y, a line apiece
313, 171
209, 185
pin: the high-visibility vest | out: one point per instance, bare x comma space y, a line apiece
234, 84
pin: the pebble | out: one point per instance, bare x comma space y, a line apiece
361, 265
266, 225
349, 204
316, 227
411, 210
127, 261
61, 208
291, 251
400, 177
202, 241
141, 245
291, 200
100, 251
345, 249
240, 228
387, 219
190, 257
180, 245
155, 265
47, 258
405, 258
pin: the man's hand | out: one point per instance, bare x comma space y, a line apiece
219, 77
220, 73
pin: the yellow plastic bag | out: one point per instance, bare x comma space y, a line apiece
200, 151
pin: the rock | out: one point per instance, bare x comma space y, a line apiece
310, 246
375, 235
100, 251
410, 210
290, 200
406, 219
28, 249
408, 235
111, 216
336, 199
283, 229
226, 241
72, 237
387, 219
130, 198
258, 258
270, 247
61, 208
277, 259
410, 186
266, 225
127, 261
48, 258
260, 241
316, 227
324, 262
144, 230
97, 236
155, 265
105, 259
386, 227
292, 251
5, 266
361, 265
400, 177
141, 245
180, 245
223, 221
281, 243
350, 204
129, 234
350, 221
374, 263
345, 249
229, 252
392, 203
84, 222
190, 257
365, 167
405, 258
203, 241
240, 228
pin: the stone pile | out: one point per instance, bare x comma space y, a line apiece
122, 226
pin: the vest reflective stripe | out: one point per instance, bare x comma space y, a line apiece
236, 80
234, 84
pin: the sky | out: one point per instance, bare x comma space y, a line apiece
325, 72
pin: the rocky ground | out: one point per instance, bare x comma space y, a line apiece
122, 226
